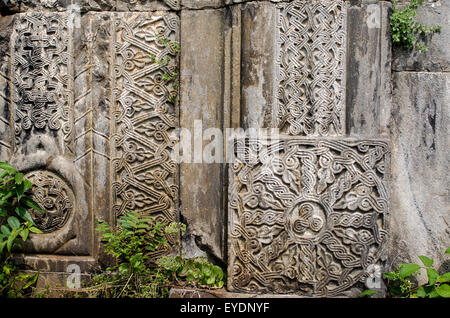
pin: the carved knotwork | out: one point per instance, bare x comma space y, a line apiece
54, 196
306, 216
311, 67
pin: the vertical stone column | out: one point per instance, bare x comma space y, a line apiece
202, 98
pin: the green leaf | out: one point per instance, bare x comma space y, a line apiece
406, 270
27, 185
7, 167
20, 190
390, 275
13, 222
18, 177
24, 214
367, 292
445, 278
428, 262
24, 234
5, 230
421, 292
3, 212
443, 290
447, 251
432, 275
35, 230
31, 281
30, 203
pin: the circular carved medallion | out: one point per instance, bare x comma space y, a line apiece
53, 195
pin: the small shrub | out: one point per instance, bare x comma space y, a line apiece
405, 30
16, 223
402, 282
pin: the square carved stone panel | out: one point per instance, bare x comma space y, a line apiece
307, 216
310, 68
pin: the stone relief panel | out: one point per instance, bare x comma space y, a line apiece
41, 78
145, 115
54, 196
310, 88
307, 216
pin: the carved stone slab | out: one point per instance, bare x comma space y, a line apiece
41, 78
145, 115
310, 67
306, 216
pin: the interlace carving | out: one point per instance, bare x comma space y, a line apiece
306, 216
145, 115
54, 196
41, 75
311, 68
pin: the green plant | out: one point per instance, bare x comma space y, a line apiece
130, 243
169, 74
195, 272
402, 282
15, 225
405, 30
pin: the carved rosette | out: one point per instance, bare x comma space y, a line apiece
54, 196
306, 216
310, 68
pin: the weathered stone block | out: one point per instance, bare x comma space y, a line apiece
368, 99
201, 90
147, 5
202, 4
420, 159
307, 216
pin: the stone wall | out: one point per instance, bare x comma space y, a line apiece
354, 183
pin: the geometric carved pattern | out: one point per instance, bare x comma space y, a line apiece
145, 115
311, 67
41, 74
54, 196
306, 215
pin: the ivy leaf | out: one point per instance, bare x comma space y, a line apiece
443, 290
428, 262
406, 270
